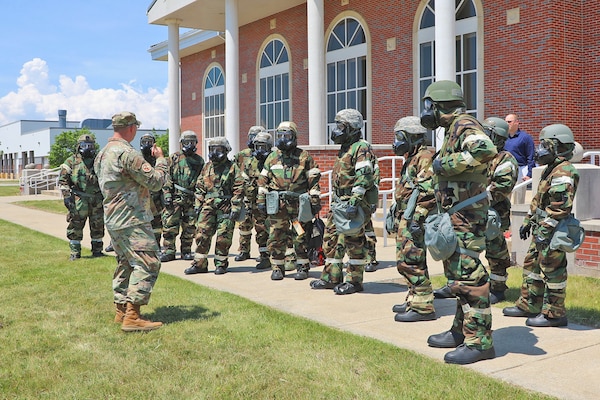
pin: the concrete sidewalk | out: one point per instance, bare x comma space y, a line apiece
560, 362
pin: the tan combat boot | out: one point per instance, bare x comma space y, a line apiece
133, 322
120, 314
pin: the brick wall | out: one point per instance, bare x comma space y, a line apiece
588, 254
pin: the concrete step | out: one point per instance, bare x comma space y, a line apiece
52, 192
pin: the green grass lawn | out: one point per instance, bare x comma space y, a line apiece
59, 342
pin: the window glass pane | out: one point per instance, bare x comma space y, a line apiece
362, 102
428, 18
426, 61
263, 115
331, 77
341, 75
264, 61
340, 32
362, 71
341, 101
352, 99
284, 56
277, 47
285, 86
271, 115
277, 113
285, 116
470, 52
458, 55
423, 85
277, 87
263, 90
270, 87
466, 9
220, 78
469, 87
331, 109
351, 73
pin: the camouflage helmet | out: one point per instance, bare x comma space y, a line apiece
411, 125
148, 136
288, 126
353, 118
560, 132
86, 139
220, 141
263, 137
444, 91
497, 126
188, 135
255, 130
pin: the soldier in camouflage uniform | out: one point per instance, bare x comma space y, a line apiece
502, 177
461, 173
289, 171
82, 197
414, 199
352, 178
126, 180
147, 142
219, 199
371, 237
246, 162
544, 285
178, 198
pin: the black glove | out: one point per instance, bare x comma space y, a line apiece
524, 231
262, 210
69, 202
437, 166
351, 211
416, 231
234, 215
315, 208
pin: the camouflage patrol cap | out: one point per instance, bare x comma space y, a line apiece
263, 137
411, 125
288, 126
220, 141
124, 118
86, 138
188, 135
350, 116
256, 129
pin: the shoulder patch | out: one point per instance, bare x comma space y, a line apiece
146, 167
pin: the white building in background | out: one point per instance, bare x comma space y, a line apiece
27, 142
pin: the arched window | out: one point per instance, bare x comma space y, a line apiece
466, 51
214, 105
346, 70
274, 76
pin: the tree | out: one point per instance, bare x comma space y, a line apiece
65, 145
162, 141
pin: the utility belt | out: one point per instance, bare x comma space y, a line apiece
273, 197
343, 192
85, 195
184, 190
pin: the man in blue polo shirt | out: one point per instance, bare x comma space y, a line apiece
520, 145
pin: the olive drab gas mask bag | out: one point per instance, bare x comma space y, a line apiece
390, 219
493, 228
440, 238
304, 209
568, 235
344, 225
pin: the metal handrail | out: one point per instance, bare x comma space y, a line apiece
40, 179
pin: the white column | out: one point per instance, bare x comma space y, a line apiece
232, 72
445, 40
316, 73
173, 85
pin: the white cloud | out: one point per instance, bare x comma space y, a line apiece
39, 99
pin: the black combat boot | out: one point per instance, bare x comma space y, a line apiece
302, 272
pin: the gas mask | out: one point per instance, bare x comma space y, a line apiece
285, 140
188, 146
499, 141
429, 116
87, 150
146, 147
217, 153
339, 134
261, 150
251, 141
402, 144
546, 152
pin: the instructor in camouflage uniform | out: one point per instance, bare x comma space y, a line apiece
352, 178
126, 180
247, 163
287, 173
502, 178
461, 173
81, 194
178, 198
219, 199
544, 285
414, 199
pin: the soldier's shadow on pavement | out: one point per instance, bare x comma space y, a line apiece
516, 339
172, 314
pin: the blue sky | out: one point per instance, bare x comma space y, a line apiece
89, 57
